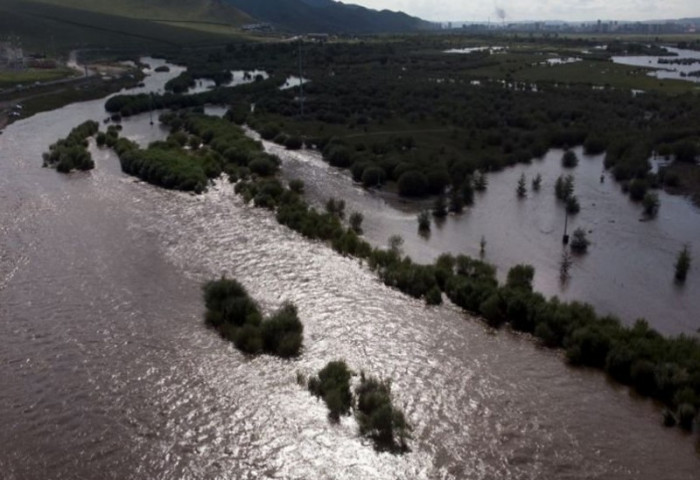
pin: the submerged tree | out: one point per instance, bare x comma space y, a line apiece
480, 181
569, 159
379, 420
440, 207
522, 189
564, 187
572, 205
651, 204
682, 264
424, 221
332, 384
537, 183
579, 241
356, 219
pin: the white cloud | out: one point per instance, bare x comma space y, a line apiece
517, 10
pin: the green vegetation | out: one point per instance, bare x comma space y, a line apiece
71, 152
424, 221
651, 204
11, 78
682, 264
521, 190
569, 159
579, 241
333, 385
564, 187
425, 137
195, 14
237, 317
537, 183
377, 417
56, 29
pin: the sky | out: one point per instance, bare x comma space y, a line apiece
519, 10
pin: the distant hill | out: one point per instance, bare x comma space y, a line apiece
51, 28
328, 16
165, 11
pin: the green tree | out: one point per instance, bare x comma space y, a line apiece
521, 190
651, 204
569, 159
356, 219
579, 241
537, 182
424, 221
682, 264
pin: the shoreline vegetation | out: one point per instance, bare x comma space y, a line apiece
378, 418
666, 369
71, 153
427, 123
237, 317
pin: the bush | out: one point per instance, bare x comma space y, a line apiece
412, 184
638, 188
650, 202
373, 176
682, 264
434, 296
237, 318
332, 384
424, 221
282, 332
355, 220
378, 418
263, 165
572, 205
579, 241
569, 159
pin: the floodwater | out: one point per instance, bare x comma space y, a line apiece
108, 371
666, 70
628, 270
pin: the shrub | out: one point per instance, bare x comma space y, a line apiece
296, 186
373, 176
412, 184
569, 159
378, 418
355, 220
682, 264
651, 203
579, 241
424, 221
237, 318
332, 384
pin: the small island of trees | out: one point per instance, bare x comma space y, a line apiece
71, 153
378, 418
237, 317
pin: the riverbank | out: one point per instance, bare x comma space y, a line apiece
45, 97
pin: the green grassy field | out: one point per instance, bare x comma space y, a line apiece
11, 78
527, 66
55, 30
206, 15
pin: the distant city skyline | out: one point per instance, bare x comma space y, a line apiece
522, 10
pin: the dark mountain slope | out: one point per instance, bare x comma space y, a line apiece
328, 16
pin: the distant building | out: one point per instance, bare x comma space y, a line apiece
318, 37
258, 27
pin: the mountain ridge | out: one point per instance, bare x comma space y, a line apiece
328, 16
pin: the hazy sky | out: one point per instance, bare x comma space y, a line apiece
517, 10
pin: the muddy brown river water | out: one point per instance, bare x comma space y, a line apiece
107, 371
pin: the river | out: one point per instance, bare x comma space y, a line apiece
628, 271
109, 372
